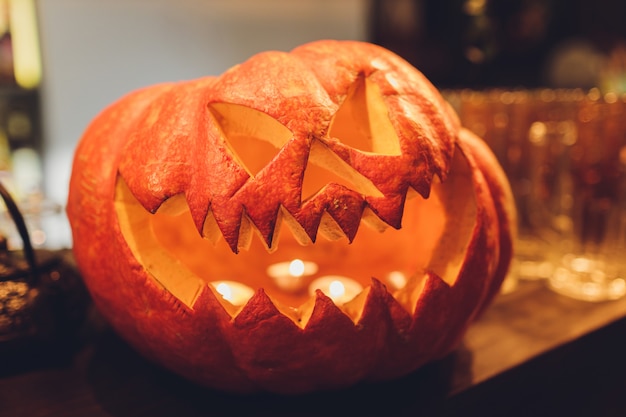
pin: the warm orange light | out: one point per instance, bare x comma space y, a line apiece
339, 288
234, 292
288, 276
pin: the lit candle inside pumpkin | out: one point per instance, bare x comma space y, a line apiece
396, 280
340, 289
288, 276
234, 292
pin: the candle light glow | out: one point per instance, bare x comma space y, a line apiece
234, 292
340, 289
336, 289
296, 268
397, 280
288, 276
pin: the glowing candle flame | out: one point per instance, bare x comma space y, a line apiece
336, 289
234, 292
296, 268
340, 289
225, 291
288, 276
397, 280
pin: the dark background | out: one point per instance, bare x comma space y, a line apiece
503, 43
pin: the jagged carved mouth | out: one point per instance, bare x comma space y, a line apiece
434, 236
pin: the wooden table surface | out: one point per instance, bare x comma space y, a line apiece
533, 353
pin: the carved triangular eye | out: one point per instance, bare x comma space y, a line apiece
362, 121
252, 136
325, 167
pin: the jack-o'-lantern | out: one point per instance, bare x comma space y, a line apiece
305, 221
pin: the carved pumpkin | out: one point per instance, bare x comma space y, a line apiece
338, 153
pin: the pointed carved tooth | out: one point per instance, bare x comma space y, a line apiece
380, 309
329, 228
286, 219
210, 229
354, 308
373, 221
268, 236
411, 292
325, 311
389, 209
258, 309
347, 211
245, 233
267, 227
228, 218
294, 226
300, 315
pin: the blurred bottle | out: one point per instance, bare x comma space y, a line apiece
21, 138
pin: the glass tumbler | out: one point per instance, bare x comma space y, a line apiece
587, 204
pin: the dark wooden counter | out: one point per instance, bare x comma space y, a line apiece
533, 353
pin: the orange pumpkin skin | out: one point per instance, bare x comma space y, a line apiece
159, 141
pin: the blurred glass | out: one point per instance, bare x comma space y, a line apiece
564, 152
589, 223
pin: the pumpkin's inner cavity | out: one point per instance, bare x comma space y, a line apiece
434, 237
